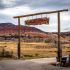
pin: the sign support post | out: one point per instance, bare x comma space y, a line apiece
19, 46
59, 52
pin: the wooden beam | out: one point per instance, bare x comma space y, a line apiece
50, 12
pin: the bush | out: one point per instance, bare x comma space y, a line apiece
6, 54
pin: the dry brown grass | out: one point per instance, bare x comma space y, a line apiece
29, 49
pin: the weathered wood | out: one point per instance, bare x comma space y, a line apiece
50, 12
18, 49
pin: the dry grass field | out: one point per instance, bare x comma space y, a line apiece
32, 50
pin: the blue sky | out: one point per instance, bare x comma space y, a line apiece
11, 8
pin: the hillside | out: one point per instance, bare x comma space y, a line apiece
30, 33
7, 29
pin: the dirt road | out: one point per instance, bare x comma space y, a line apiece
34, 64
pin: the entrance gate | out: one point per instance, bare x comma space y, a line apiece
59, 51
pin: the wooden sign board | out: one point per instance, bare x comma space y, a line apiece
38, 21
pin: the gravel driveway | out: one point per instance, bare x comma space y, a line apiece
28, 65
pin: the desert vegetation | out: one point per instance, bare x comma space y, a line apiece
34, 42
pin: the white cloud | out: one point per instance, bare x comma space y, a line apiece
22, 10
16, 11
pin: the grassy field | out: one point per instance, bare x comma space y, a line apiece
32, 50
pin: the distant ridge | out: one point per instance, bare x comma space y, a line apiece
6, 24
12, 29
